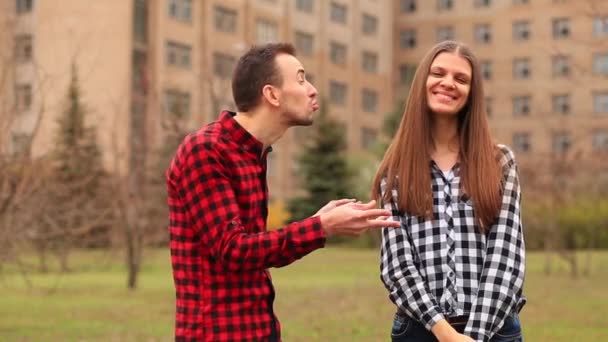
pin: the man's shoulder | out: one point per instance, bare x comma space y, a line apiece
207, 138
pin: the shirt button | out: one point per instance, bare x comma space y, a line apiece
450, 274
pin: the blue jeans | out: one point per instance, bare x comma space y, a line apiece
405, 329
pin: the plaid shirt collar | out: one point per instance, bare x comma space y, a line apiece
233, 131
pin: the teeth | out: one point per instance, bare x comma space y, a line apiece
447, 97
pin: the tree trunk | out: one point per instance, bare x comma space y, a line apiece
42, 261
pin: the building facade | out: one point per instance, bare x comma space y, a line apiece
144, 64
544, 63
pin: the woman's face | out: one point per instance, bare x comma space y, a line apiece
448, 84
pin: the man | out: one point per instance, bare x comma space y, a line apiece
220, 249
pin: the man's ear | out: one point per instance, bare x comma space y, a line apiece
272, 95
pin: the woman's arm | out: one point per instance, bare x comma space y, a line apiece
407, 289
502, 276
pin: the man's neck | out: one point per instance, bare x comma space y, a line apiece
265, 126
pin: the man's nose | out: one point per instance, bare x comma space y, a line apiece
313, 91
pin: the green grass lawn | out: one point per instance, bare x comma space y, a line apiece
331, 295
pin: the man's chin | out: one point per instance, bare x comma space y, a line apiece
304, 123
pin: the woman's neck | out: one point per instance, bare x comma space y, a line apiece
445, 134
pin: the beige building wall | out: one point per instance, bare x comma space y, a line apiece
7, 18
288, 21
99, 38
95, 37
541, 123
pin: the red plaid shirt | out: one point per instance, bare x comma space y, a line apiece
220, 249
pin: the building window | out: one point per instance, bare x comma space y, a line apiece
407, 39
179, 54
368, 138
223, 65
489, 106
483, 3
266, 31
337, 53
445, 33
337, 13
23, 48
181, 10
486, 70
304, 5
139, 73
600, 103
177, 103
23, 94
560, 66
561, 142
408, 6
521, 30
337, 92
369, 99
304, 43
369, 62
140, 21
369, 25
24, 6
600, 64
561, 28
444, 5
406, 73
561, 104
483, 34
600, 26
521, 105
521, 142
224, 19
600, 140
521, 68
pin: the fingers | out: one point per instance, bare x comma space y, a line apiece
364, 206
342, 201
374, 213
372, 224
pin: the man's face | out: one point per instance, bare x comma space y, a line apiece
298, 98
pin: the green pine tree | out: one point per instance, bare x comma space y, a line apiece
77, 154
80, 201
323, 168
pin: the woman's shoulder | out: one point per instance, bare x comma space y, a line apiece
505, 155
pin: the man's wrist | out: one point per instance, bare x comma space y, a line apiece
326, 224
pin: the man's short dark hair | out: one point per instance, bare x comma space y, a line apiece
255, 69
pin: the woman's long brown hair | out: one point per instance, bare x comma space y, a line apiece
406, 163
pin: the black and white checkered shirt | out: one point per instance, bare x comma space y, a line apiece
444, 267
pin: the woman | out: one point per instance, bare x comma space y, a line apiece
455, 268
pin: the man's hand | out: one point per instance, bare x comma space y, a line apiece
353, 219
332, 204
